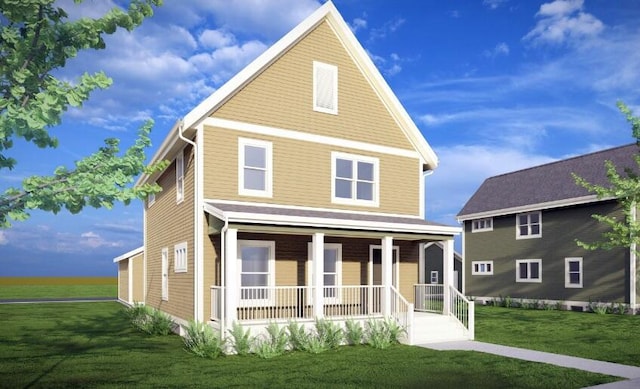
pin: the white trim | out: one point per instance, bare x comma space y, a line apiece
431, 277
480, 272
534, 207
327, 246
180, 176
198, 246
395, 262
145, 254
271, 270
129, 254
268, 169
567, 273
355, 159
180, 258
318, 66
308, 137
529, 235
633, 258
484, 222
164, 273
130, 280
529, 262
151, 199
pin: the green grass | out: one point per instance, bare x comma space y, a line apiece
93, 345
613, 338
57, 287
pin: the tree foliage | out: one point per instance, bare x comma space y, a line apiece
36, 39
625, 187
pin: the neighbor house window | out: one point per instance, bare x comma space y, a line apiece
254, 167
482, 225
434, 277
257, 271
529, 225
180, 258
331, 271
354, 179
573, 272
325, 88
165, 273
529, 270
180, 177
482, 268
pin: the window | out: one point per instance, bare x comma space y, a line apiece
180, 258
529, 225
165, 274
573, 272
434, 277
529, 270
482, 225
254, 167
325, 88
482, 268
355, 179
257, 271
180, 177
331, 273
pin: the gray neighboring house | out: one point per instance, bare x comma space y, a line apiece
434, 260
520, 231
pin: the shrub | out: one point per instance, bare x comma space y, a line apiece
559, 305
159, 324
315, 345
382, 334
298, 336
241, 339
329, 333
507, 302
202, 340
274, 343
138, 314
621, 308
354, 332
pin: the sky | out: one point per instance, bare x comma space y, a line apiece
493, 85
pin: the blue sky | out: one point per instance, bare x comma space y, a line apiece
494, 85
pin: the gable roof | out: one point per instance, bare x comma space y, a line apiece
327, 12
546, 186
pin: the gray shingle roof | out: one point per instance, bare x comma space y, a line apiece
547, 183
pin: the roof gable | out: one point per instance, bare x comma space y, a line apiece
546, 186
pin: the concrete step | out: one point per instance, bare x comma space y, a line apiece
437, 328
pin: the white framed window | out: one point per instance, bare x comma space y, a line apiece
331, 271
180, 176
480, 225
257, 272
573, 272
165, 273
482, 268
433, 277
255, 167
180, 258
355, 179
529, 270
151, 199
529, 225
325, 88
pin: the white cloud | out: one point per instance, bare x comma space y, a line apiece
500, 49
563, 21
223, 63
357, 24
388, 27
215, 39
493, 4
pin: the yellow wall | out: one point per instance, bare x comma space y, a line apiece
123, 280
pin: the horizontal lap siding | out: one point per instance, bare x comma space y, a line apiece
168, 224
123, 280
137, 266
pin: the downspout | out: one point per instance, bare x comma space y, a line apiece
197, 271
633, 275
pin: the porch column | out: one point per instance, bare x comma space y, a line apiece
447, 275
232, 286
387, 274
317, 273
421, 264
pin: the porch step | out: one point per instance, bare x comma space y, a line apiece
433, 328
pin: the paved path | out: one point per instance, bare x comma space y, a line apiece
57, 300
631, 373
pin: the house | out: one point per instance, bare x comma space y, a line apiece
434, 262
296, 192
131, 276
520, 231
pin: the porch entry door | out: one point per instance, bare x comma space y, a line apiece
375, 259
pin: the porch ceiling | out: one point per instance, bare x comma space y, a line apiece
302, 221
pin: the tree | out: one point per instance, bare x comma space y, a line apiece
624, 232
36, 39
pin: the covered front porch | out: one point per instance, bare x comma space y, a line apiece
285, 270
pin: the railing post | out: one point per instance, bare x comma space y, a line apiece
447, 272
410, 325
387, 274
472, 321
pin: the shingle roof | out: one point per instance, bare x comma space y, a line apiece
547, 183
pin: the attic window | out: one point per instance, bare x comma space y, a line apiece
325, 88
482, 225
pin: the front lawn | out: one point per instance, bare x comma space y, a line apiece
93, 345
57, 287
613, 338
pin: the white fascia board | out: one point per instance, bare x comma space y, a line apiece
129, 254
167, 144
534, 207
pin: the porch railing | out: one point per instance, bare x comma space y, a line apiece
275, 303
402, 312
429, 297
464, 310
350, 301
216, 303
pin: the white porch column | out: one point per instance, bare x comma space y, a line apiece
447, 275
317, 273
232, 286
387, 274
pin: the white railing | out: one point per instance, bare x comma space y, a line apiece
464, 310
216, 303
275, 303
429, 297
402, 312
350, 301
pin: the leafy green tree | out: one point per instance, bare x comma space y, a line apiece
625, 187
36, 39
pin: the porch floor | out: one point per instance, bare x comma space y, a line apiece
435, 327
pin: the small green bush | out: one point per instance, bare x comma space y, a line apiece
354, 332
241, 339
329, 333
159, 324
298, 336
202, 340
138, 315
274, 343
382, 334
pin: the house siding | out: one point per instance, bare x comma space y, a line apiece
282, 96
302, 174
123, 280
170, 223
605, 272
434, 262
137, 267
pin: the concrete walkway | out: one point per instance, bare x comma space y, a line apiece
631, 373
